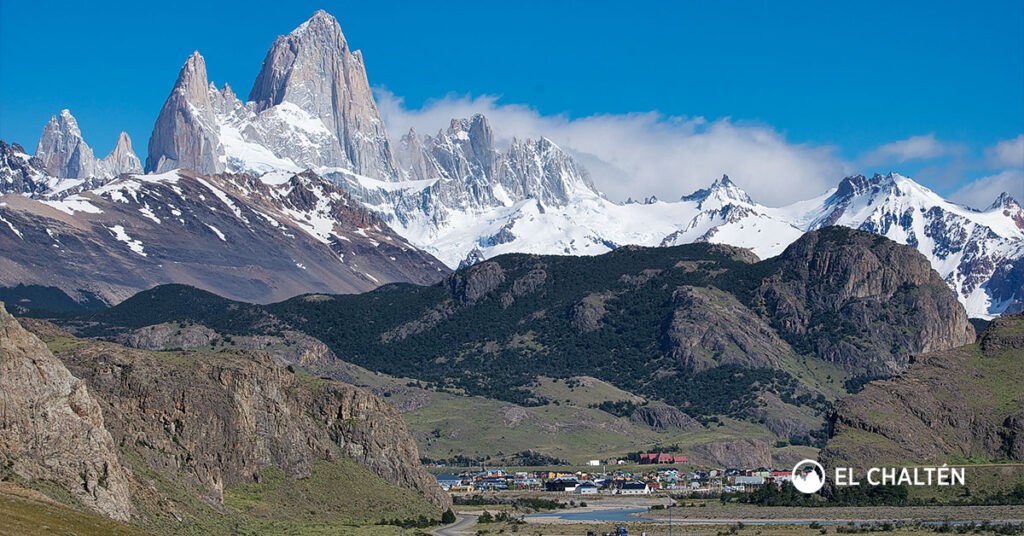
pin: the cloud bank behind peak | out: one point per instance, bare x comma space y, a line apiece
641, 154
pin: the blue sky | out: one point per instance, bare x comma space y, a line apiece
945, 79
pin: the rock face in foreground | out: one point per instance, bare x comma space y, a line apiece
964, 402
51, 427
199, 422
225, 417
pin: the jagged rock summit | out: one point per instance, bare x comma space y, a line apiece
64, 154
63, 151
186, 133
122, 159
313, 68
310, 107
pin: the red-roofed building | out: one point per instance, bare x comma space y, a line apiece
661, 457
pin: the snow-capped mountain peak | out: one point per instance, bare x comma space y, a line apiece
721, 192
313, 69
964, 245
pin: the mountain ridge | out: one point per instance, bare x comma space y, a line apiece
662, 323
255, 239
459, 197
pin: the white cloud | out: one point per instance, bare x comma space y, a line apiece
982, 192
1007, 153
913, 148
639, 154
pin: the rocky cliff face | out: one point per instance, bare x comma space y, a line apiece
52, 427
963, 402
63, 151
21, 173
313, 68
209, 421
711, 328
186, 134
122, 159
64, 154
836, 292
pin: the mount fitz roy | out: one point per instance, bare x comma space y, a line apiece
310, 137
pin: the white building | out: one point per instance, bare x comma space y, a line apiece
749, 481
586, 488
634, 488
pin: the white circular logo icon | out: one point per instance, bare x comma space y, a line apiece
808, 476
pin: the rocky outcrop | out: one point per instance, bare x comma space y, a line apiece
169, 336
52, 428
20, 173
476, 282
587, 313
711, 328
836, 291
736, 453
521, 286
664, 417
313, 68
207, 421
186, 134
963, 402
288, 348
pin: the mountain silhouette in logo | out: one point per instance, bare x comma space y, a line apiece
808, 476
